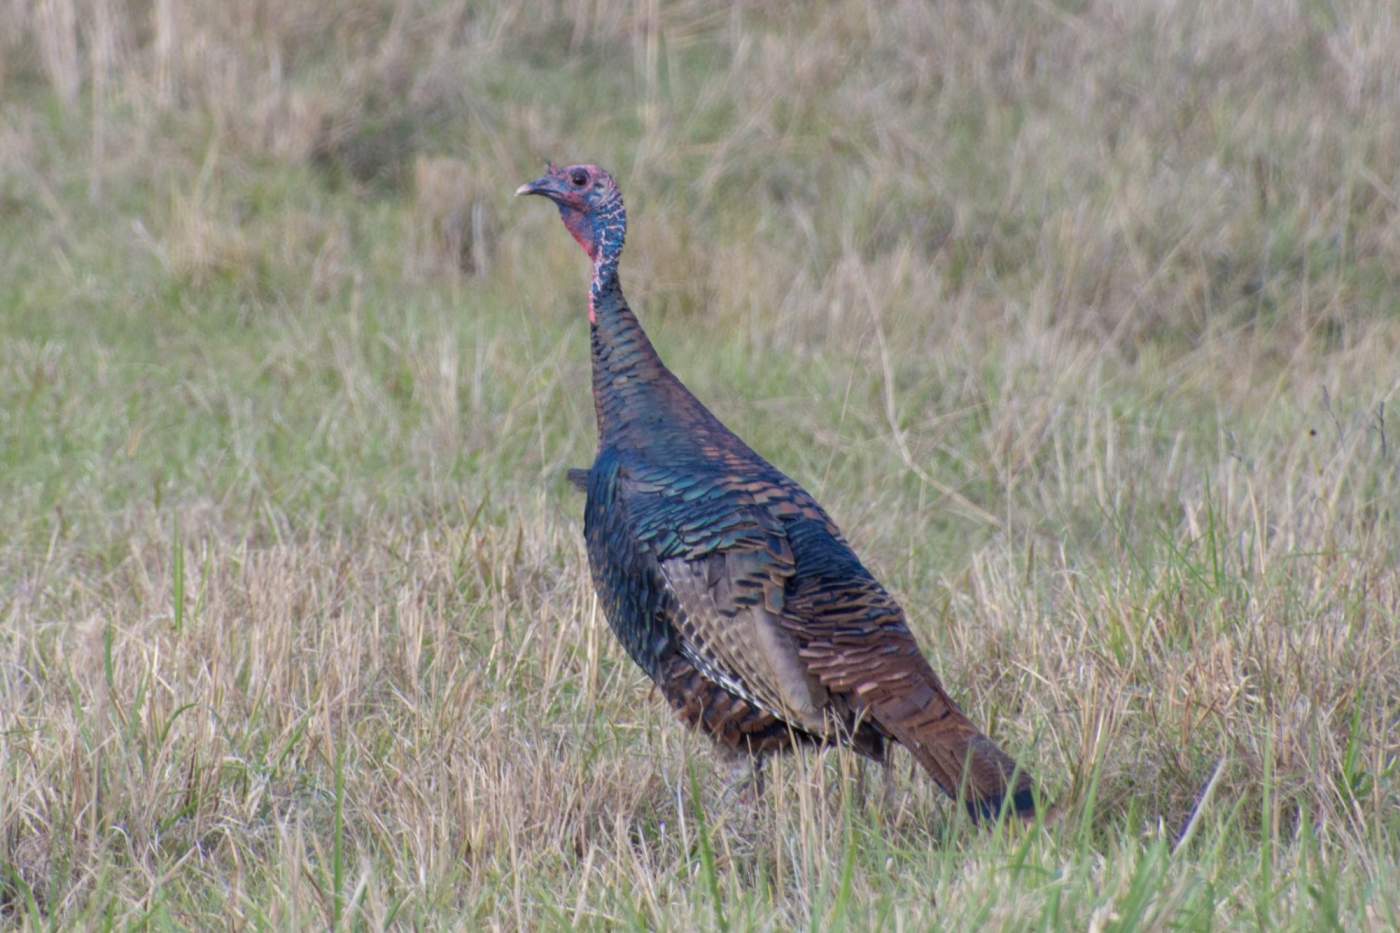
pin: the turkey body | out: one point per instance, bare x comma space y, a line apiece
729, 585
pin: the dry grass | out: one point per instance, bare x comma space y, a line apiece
1081, 318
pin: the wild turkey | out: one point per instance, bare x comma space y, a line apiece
726, 581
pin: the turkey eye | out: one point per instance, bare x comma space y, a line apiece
580, 178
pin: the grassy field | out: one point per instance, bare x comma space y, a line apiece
1083, 319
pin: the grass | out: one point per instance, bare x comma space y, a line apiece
1082, 319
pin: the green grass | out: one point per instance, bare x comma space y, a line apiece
1083, 322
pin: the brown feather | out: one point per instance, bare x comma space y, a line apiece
728, 621
856, 642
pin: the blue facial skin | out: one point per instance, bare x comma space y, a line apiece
590, 204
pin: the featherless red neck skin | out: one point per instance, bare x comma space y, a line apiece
590, 204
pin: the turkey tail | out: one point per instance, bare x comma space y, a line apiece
962, 761
994, 784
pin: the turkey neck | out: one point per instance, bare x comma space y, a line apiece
636, 398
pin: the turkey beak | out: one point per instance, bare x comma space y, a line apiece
545, 186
